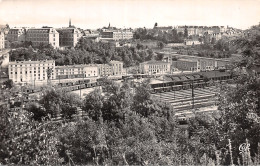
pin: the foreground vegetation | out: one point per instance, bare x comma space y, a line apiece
124, 125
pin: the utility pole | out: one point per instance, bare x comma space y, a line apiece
192, 94
49, 72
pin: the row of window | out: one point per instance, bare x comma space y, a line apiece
157, 66
25, 65
39, 35
26, 72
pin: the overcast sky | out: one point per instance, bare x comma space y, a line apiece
129, 13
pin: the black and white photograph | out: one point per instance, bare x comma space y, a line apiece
130, 82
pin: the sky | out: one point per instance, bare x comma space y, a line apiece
92, 14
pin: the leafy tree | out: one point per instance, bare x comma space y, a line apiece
8, 84
26, 142
160, 45
58, 102
159, 56
93, 104
38, 113
186, 31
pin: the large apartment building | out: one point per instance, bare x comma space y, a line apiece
195, 63
43, 35
186, 64
116, 34
68, 37
200, 30
117, 67
155, 67
16, 34
2, 40
31, 71
76, 71
113, 68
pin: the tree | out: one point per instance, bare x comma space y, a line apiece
93, 104
38, 112
59, 102
186, 31
159, 56
26, 142
8, 84
160, 45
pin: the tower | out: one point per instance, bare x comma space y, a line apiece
70, 23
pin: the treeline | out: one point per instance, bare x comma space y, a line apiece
221, 49
85, 52
153, 34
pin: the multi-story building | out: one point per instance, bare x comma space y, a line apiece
31, 71
117, 67
155, 67
195, 63
90, 33
16, 34
69, 37
43, 35
2, 40
186, 64
113, 68
104, 70
200, 30
76, 71
116, 34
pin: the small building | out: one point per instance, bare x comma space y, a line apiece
30, 71
155, 67
190, 42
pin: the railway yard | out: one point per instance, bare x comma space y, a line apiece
182, 100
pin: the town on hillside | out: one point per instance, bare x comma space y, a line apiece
155, 95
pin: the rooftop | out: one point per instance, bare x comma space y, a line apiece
155, 62
187, 60
76, 66
31, 62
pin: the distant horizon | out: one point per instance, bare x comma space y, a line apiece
90, 14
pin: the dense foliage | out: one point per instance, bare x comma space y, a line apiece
153, 34
85, 52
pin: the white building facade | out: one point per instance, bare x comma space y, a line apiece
155, 67
31, 71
